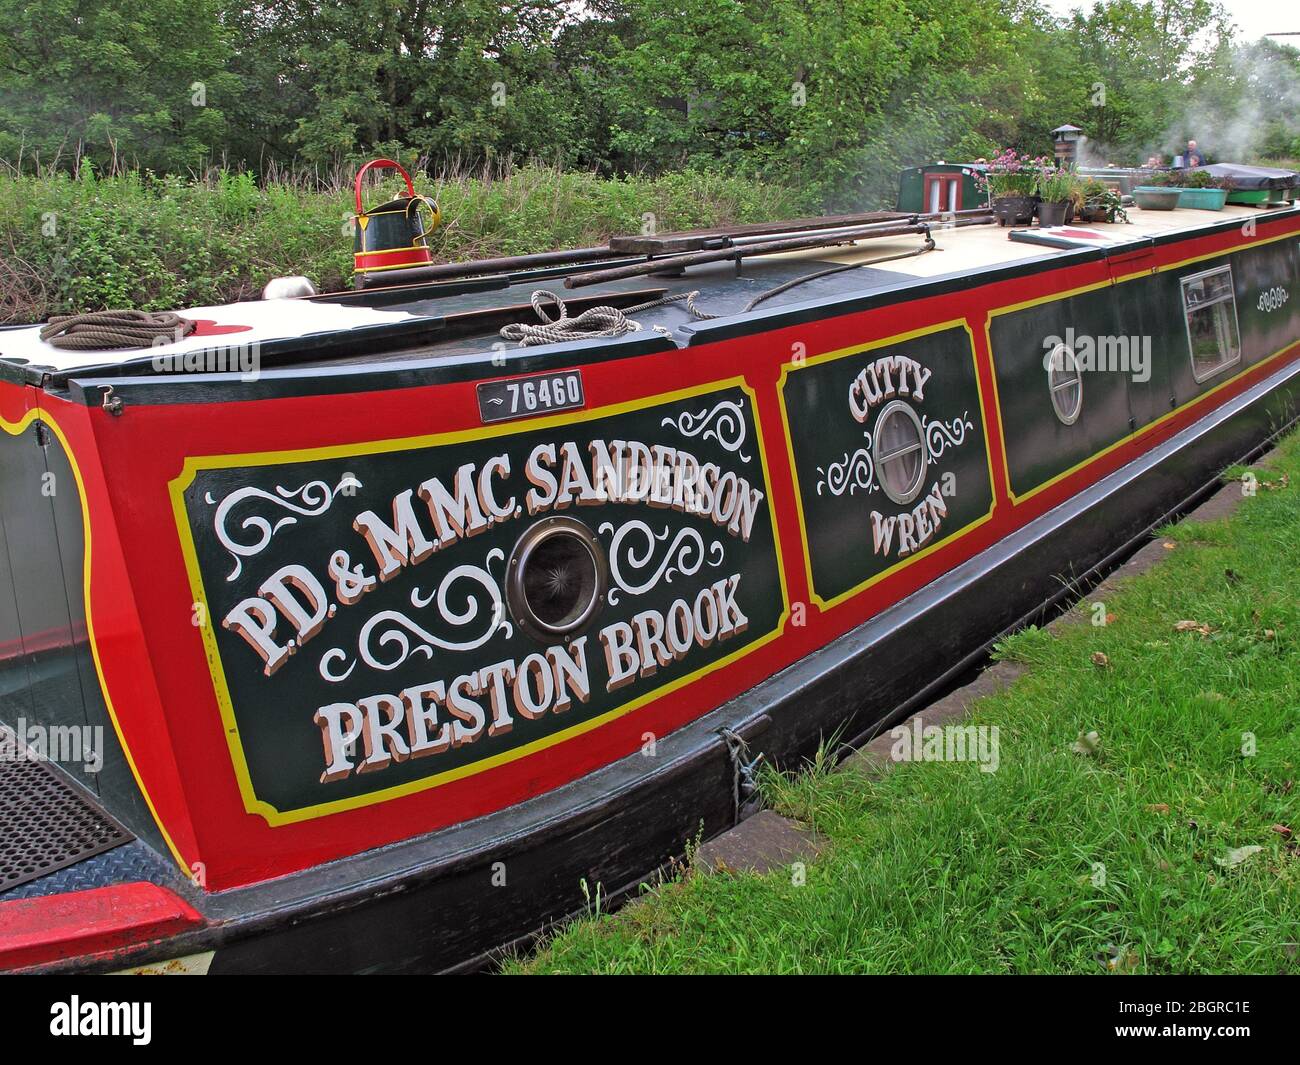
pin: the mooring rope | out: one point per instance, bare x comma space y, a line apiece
592, 323
105, 330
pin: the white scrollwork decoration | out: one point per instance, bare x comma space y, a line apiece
308, 500
335, 654
849, 474
685, 554
392, 637
725, 423
941, 435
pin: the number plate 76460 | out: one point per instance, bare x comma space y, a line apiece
523, 397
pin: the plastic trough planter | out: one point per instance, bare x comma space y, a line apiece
1203, 199
1155, 198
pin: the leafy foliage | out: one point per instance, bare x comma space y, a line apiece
831, 96
162, 242
112, 80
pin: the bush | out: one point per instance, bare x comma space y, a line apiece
71, 244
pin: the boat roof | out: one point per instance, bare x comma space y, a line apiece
457, 317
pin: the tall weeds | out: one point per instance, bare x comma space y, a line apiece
85, 241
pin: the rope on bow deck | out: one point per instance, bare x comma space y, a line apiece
105, 330
592, 323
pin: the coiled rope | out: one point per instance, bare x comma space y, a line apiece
592, 323
104, 330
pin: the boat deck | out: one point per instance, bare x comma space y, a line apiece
452, 318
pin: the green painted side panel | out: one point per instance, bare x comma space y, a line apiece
1267, 283
443, 619
854, 530
1039, 445
910, 190
1134, 377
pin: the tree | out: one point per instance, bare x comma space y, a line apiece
139, 82
1147, 60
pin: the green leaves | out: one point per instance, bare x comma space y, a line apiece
113, 81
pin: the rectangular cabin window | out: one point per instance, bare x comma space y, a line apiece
1211, 311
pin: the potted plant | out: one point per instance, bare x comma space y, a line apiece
1009, 181
1095, 201
1054, 186
1196, 189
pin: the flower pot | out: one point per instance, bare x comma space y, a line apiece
1052, 214
1203, 199
1249, 196
1155, 198
1094, 212
1013, 210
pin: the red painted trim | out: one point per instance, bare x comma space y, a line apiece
89, 923
943, 181
207, 327
392, 258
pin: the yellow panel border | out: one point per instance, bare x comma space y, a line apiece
275, 817
792, 367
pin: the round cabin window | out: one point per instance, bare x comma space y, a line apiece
1065, 383
899, 452
556, 578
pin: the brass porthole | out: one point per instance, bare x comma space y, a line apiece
556, 578
899, 452
1065, 384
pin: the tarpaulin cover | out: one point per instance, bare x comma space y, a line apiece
1249, 178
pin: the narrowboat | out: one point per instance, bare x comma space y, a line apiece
380, 630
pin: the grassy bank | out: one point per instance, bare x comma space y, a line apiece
1166, 849
159, 243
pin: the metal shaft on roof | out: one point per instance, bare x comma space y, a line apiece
735, 252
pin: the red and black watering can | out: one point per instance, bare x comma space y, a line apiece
393, 235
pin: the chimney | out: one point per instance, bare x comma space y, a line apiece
1065, 141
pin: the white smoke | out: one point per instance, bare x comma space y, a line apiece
1258, 113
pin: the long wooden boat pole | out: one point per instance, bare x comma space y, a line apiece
812, 240
715, 255
520, 262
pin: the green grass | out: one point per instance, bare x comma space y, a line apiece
136, 240
1059, 862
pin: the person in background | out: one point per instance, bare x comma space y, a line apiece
1193, 156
